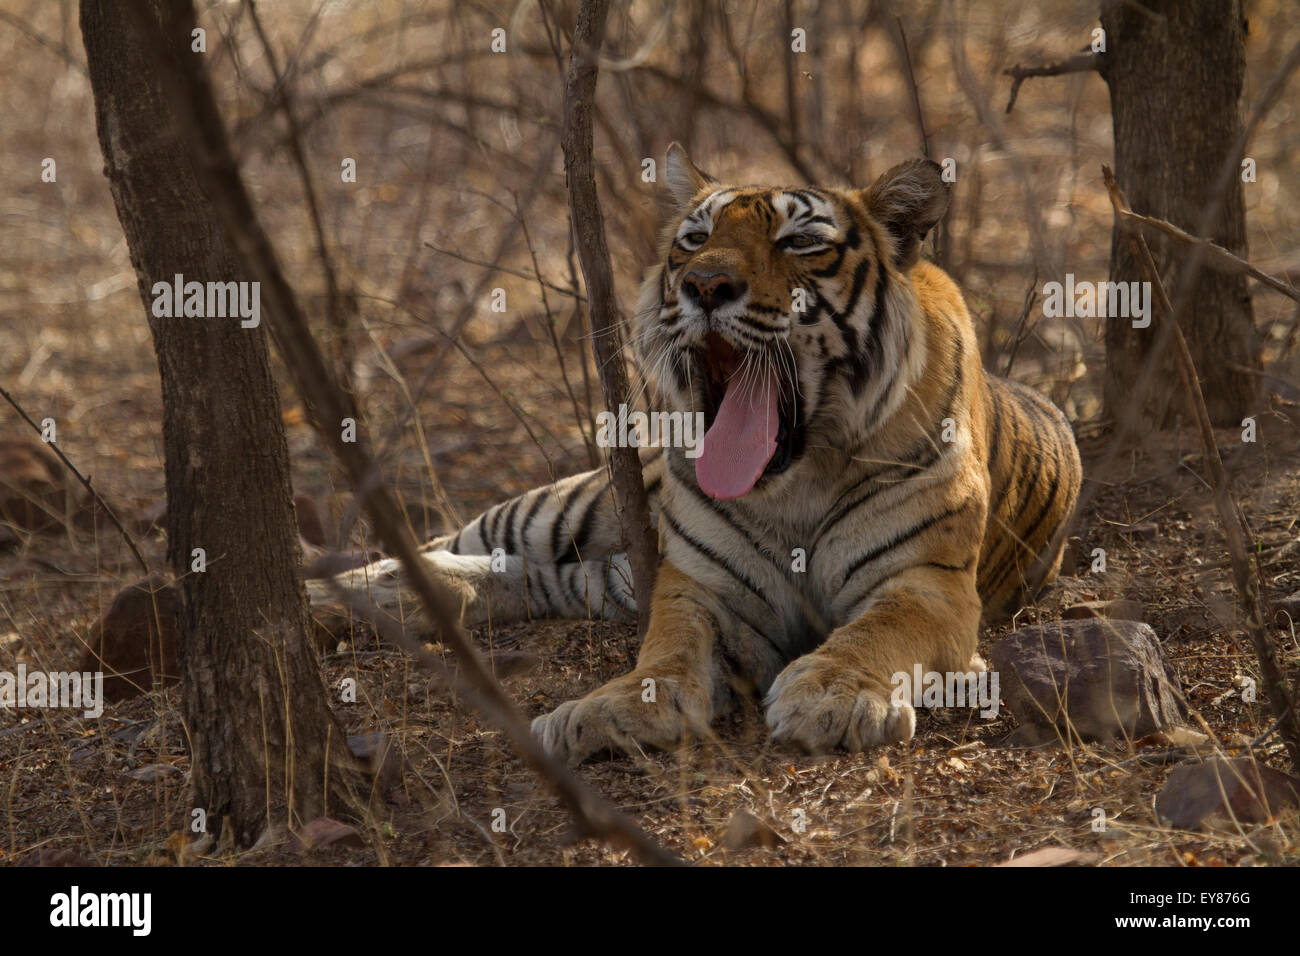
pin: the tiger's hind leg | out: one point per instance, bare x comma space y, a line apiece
502, 589
1035, 476
550, 552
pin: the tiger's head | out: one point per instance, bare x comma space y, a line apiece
785, 316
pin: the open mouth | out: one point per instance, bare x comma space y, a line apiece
750, 422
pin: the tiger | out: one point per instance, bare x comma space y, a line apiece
863, 498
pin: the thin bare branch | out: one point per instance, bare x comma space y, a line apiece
593, 253
99, 500
1079, 63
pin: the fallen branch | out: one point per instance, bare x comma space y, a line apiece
607, 338
99, 500
1246, 571
1079, 63
200, 126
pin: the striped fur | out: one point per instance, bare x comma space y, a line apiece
919, 491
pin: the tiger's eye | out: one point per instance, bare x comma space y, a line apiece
697, 238
801, 241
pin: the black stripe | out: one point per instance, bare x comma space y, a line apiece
872, 590
705, 551
512, 533
1029, 472
536, 577
542, 494
562, 519
717, 510
901, 538
1012, 445
940, 566
611, 593
1030, 530
759, 325
492, 525
996, 410
578, 542
907, 468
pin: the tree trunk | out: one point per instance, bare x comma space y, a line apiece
255, 709
1175, 72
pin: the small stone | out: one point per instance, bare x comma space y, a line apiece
55, 856
1051, 856
745, 831
1238, 788
324, 831
1105, 678
134, 644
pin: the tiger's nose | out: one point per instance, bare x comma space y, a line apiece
712, 291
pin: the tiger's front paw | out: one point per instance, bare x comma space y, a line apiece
819, 704
626, 714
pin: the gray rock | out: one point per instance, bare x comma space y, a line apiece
324, 831
1106, 678
745, 831
1237, 789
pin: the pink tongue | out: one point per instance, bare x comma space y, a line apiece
742, 439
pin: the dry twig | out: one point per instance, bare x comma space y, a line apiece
99, 500
607, 338
1079, 63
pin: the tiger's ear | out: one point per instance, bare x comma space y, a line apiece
683, 178
908, 200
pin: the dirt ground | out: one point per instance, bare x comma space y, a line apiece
114, 790
74, 346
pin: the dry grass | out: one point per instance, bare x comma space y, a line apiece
443, 160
